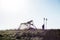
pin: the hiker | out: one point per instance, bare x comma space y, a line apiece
43, 26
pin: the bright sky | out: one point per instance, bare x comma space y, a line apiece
14, 12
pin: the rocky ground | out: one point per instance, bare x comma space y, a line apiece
30, 34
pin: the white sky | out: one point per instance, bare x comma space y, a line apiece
14, 12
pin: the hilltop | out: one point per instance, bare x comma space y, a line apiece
30, 34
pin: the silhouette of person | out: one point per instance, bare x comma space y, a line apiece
43, 26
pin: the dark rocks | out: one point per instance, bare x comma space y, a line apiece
52, 35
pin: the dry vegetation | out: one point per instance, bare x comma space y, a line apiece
31, 34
